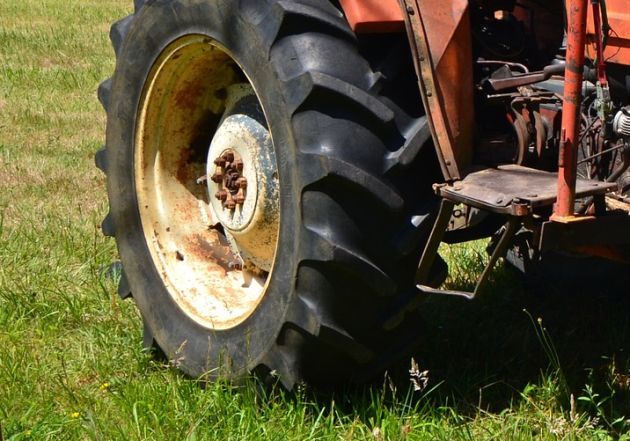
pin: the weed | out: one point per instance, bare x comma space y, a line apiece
552, 355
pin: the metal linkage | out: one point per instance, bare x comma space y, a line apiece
437, 233
430, 252
570, 132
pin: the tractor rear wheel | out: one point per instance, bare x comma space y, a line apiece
265, 210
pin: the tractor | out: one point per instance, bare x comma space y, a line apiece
281, 173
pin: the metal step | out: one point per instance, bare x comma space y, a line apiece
510, 190
514, 190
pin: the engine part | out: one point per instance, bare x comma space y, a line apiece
530, 131
621, 122
499, 84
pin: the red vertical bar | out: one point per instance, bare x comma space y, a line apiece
599, 43
567, 166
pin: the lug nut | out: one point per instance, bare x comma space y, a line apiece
235, 265
229, 202
239, 165
217, 177
219, 161
229, 157
240, 197
241, 182
221, 195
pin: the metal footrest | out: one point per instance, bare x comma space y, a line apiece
511, 190
514, 190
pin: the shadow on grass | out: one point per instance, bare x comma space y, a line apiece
487, 350
482, 354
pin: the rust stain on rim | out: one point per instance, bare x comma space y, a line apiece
181, 106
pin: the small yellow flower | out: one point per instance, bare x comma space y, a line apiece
28, 433
103, 387
75, 415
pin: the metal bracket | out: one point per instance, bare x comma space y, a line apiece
430, 252
437, 233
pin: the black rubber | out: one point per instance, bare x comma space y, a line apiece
353, 220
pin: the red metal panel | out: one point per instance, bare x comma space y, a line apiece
447, 25
618, 48
440, 40
373, 16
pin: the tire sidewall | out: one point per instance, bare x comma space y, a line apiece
154, 27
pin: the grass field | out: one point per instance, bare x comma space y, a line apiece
535, 363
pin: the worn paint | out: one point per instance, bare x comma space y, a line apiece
618, 44
439, 35
570, 132
182, 104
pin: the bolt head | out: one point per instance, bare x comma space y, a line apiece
219, 161
217, 177
221, 195
236, 265
241, 182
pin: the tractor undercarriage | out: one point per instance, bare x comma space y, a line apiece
533, 137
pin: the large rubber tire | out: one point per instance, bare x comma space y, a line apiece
356, 199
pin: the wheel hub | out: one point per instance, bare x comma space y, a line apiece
243, 184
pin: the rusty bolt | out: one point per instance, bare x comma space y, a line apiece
241, 182
520, 208
219, 161
239, 165
221, 195
228, 181
229, 157
235, 265
240, 197
232, 180
229, 202
217, 177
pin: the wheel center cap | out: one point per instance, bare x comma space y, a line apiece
243, 184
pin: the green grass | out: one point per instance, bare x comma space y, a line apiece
71, 364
